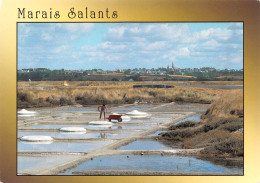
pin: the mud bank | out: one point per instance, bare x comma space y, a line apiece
219, 132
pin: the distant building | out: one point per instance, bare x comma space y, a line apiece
162, 72
172, 66
148, 72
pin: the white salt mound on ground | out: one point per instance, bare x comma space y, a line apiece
24, 111
73, 129
136, 113
36, 138
100, 123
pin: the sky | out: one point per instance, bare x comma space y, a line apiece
111, 46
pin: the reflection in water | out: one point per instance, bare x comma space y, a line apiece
25, 115
103, 135
39, 142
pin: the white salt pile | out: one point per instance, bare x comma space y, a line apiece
24, 111
137, 114
100, 123
36, 138
73, 129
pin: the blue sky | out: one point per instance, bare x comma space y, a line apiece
111, 46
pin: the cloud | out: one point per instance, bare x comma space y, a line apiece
111, 46
135, 30
46, 36
184, 52
117, 32
78, 28
61, 49
237, 60
211, 44
222, 34
117, 45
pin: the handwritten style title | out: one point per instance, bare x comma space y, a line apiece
72, 14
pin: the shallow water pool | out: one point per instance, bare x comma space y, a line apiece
157, 133
195, 117
27, 164
187, 107
132, 127
153, 163
62, 146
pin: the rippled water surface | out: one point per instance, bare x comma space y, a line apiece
153, 163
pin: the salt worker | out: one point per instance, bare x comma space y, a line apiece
102, 109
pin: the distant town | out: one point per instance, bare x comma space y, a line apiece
169, 73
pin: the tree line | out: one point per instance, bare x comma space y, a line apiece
206, 73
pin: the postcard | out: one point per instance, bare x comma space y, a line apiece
133, 91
